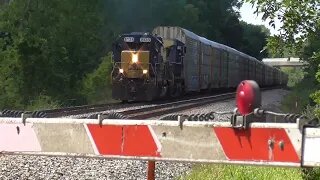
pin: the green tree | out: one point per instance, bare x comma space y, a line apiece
55, 43
254, 40
299, 29
299, 18
214, 19
96, 86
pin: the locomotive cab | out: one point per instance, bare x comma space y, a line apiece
136, 59
146, 67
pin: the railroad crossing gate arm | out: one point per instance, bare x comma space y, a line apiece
279, 144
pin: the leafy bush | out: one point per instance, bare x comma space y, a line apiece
96, 86
311, 111
10, 80
299, 97
316, 95
295, 75
43, 102
311, 173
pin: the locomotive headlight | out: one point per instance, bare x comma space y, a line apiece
121, 71
134, 58
144, 71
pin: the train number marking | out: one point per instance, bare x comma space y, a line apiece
145, 39
128, 39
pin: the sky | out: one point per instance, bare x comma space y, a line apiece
247, 15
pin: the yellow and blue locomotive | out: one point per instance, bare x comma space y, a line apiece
143, 67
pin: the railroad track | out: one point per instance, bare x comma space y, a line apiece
167, 108
159, 107
75, 110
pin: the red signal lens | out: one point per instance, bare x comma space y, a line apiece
248, 97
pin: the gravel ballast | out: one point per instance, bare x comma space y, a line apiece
36, 167
33, 167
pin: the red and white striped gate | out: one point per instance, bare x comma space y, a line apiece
278, 144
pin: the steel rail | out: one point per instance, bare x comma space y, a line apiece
172, 107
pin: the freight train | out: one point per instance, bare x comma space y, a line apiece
172, 61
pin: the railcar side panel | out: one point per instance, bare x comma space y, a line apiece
266, 75
251, 69
232, 71
247, 67
199, 65
217, 71
279, 77
211, 61
238, 69
254, 69
205, 66
242, 66
263, 80
216, 58
269, 76
274, 76
224, 70
191, 65
259, 72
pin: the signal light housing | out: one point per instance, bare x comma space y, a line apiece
248, 97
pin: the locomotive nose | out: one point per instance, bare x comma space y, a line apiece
132, 87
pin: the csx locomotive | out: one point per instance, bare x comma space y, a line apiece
172, 61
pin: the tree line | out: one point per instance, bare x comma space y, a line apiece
300, 35
56, 52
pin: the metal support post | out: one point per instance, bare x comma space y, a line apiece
151, 170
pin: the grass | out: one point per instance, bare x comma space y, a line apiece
238, 172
